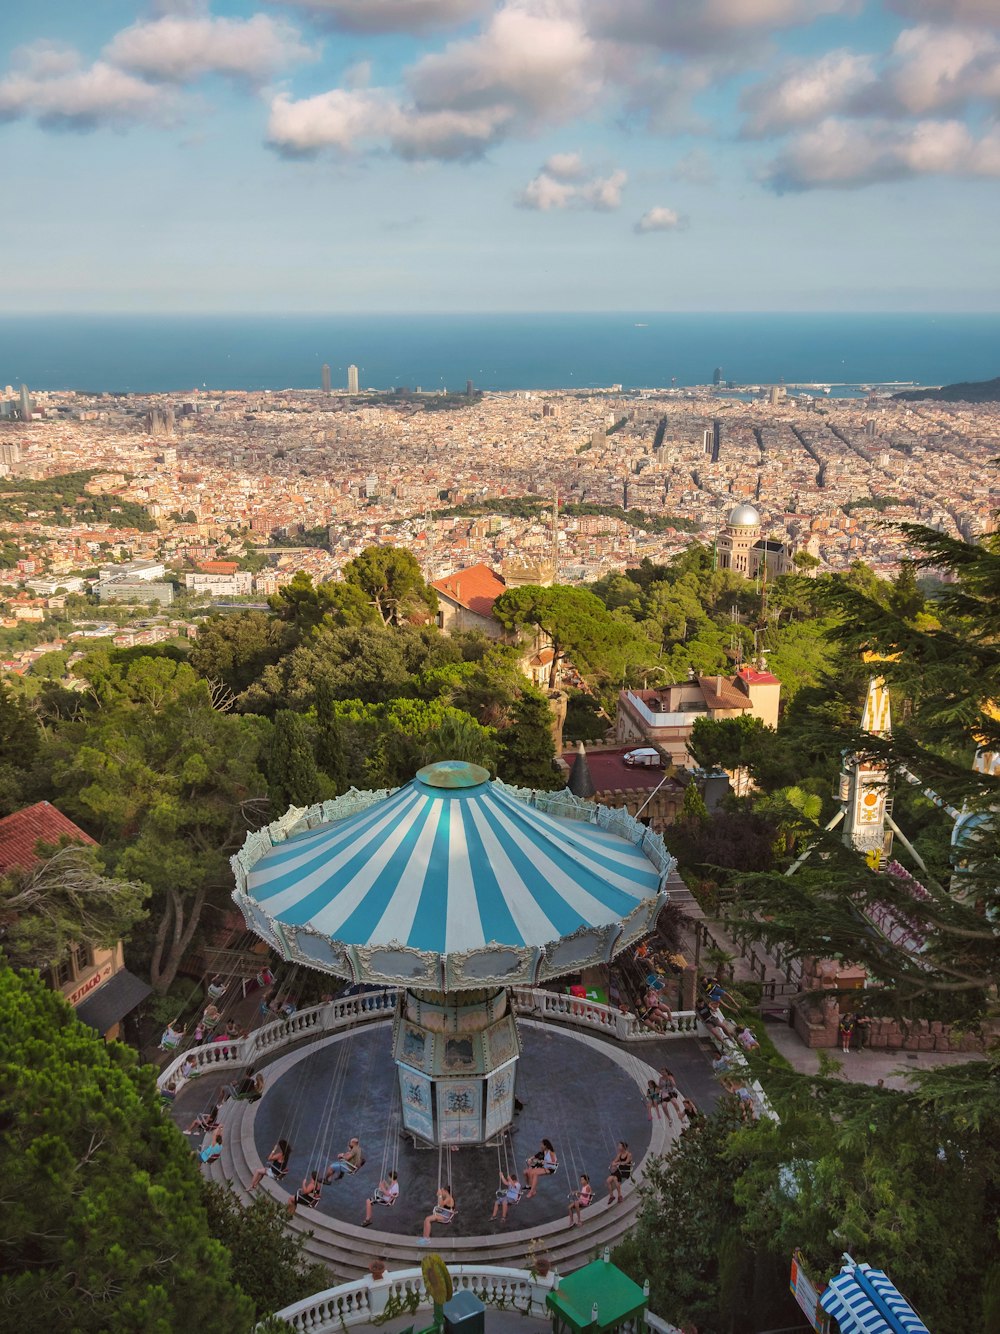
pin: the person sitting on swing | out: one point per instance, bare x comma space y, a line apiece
621, 1170
443, 1212
173, 1035
508, 1194
387, 1192
541, 1164
308, 1193
204, 1121
276, 1166
579, 1200
349, 1161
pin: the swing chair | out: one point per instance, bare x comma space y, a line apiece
389, 1170
504, 1165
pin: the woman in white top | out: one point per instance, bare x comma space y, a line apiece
387, 1193
543, 1164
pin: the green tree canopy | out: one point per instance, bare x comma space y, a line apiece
167, 784
602, 646
63, 900
290, 763
19, 743
235, 649
104, 1227
391, 581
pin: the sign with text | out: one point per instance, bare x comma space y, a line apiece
91, 984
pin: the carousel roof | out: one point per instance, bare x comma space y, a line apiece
453, 877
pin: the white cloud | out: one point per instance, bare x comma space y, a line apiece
51, 85
704, 25
806, 92
358, 120
932, 69
544, 192
659, 219
179, 49
524, 70
951, 11
538, 66
392, 15
563, 183
839, 154
564, 166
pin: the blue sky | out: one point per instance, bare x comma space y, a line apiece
382, 155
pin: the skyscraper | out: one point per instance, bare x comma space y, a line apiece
716, 440
26, 408
325, 374
352, 379
717, 376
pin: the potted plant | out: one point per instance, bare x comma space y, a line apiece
539, 1261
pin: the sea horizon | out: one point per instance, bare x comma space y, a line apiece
503, 351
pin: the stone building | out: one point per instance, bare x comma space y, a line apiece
664, 717
740, 547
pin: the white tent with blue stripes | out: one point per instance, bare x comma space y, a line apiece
863, 1301
452, 882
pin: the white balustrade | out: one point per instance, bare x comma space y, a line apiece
367, 1301
374, 1005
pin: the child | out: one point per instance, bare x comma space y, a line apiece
579, 1200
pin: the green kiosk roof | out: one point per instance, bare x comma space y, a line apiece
617, 1298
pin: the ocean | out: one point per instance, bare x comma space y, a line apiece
163, 353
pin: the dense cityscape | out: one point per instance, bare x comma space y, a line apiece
223, 476
500, 667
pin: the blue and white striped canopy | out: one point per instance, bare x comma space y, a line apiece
863, 1301
449, 871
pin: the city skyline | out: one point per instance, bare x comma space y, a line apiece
525, 155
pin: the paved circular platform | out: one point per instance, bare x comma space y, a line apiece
581, 1094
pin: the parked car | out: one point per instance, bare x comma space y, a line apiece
646, 757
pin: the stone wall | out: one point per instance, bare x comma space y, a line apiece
816, 1018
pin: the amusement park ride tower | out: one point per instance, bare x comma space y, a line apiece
452, 889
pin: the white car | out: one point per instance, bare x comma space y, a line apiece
646, 757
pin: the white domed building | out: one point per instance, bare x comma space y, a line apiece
740, 546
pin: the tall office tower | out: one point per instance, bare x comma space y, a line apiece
10, 453
716, 440
776, 395
870, 427
469, 388
717, 376
625, 492
707, 437
352, 379
26, 407
325, 374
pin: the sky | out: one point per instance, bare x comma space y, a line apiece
500, 155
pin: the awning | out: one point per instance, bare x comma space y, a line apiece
118, 997
863, 1301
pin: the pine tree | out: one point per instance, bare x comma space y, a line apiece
104, 1228
526, 747
291, 764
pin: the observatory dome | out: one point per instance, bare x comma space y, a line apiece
744, 516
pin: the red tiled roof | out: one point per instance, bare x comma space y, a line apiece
21, 833
755, 678
476, 588
727, 696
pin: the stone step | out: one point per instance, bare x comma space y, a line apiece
346, 1248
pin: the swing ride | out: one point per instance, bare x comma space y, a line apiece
452, 889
